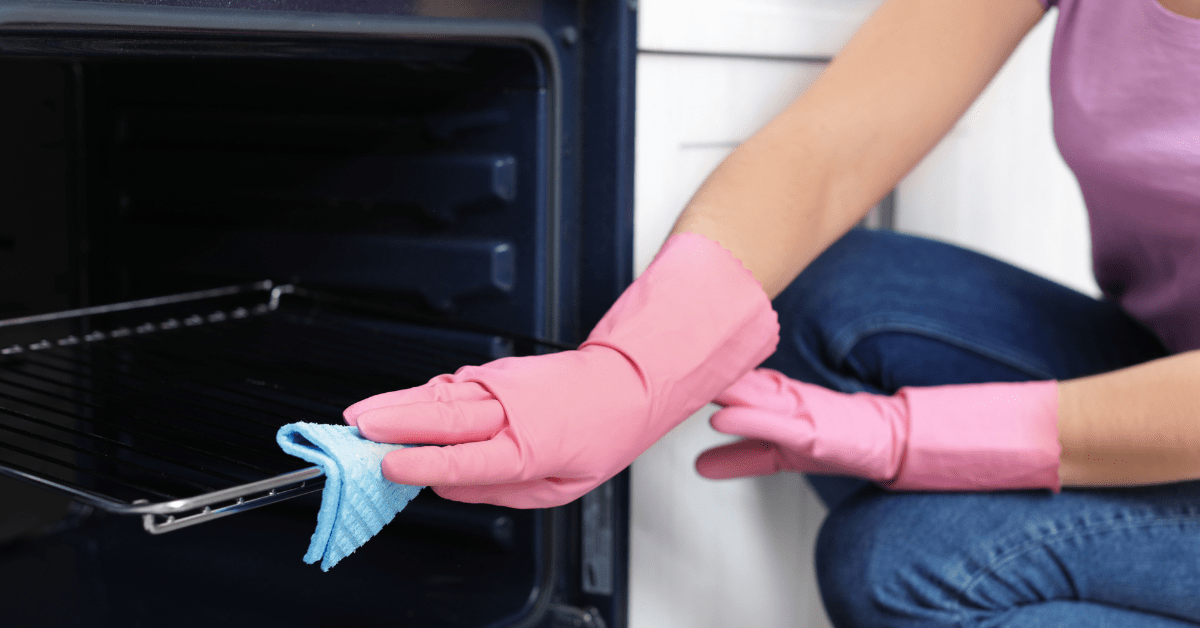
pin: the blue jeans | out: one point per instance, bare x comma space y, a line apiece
879, 311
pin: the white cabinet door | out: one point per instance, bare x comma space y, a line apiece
776, 28
711, 554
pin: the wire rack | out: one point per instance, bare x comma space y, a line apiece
167, 408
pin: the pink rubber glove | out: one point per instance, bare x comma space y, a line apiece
972, 437
540, 431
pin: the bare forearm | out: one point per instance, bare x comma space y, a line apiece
899, 85
1139, 425
772, 205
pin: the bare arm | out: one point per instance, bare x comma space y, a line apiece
808, 176
1139, 425
803, 180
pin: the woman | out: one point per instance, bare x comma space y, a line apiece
966, 393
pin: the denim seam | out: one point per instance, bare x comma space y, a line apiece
843, 342
1057, 537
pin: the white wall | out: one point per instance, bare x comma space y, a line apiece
739, 553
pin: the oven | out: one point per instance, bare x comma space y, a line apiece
217, 217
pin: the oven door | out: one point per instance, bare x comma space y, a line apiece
415, 186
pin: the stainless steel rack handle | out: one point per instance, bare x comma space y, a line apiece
167, 516
161, 517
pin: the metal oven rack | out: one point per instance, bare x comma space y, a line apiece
167, 408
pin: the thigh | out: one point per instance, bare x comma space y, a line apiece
1013, 559
879, 310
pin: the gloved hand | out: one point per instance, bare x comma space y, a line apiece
967, 437
540, 431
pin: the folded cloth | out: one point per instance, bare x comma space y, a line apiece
357, 501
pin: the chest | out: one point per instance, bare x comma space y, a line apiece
1125, 83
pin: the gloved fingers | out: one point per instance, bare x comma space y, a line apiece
794, 431
539, 493
440, 388
748, 458
486, 494
495, 461
433, 423
761, 388
744, 458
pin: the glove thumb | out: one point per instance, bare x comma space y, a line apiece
741, 459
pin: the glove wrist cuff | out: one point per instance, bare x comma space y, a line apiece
693, 323
1000, 436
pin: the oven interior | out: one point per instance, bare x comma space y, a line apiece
409, 192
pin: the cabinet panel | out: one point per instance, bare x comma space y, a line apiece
788, 28
691, 112
703, 553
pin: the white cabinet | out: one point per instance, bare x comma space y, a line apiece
739, 552
770, 28
691, 112
710, 554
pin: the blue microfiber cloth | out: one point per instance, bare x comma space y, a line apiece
357, 501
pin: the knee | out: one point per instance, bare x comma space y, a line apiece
849, 559
830, 286
871, 314
873, 571
818, 305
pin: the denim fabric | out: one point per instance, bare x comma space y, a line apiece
879, 311
1111, 558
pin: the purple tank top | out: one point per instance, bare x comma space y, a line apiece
1125, 85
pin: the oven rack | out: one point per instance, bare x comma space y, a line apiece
167, 408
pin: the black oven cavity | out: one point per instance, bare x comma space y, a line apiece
292, 205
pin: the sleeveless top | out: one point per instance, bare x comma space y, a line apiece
1125, 88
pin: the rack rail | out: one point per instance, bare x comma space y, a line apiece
167, 408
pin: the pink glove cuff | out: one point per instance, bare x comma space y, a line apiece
691, 325
992, 436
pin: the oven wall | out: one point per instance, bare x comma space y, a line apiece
415, 180
37, 254
593, 43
